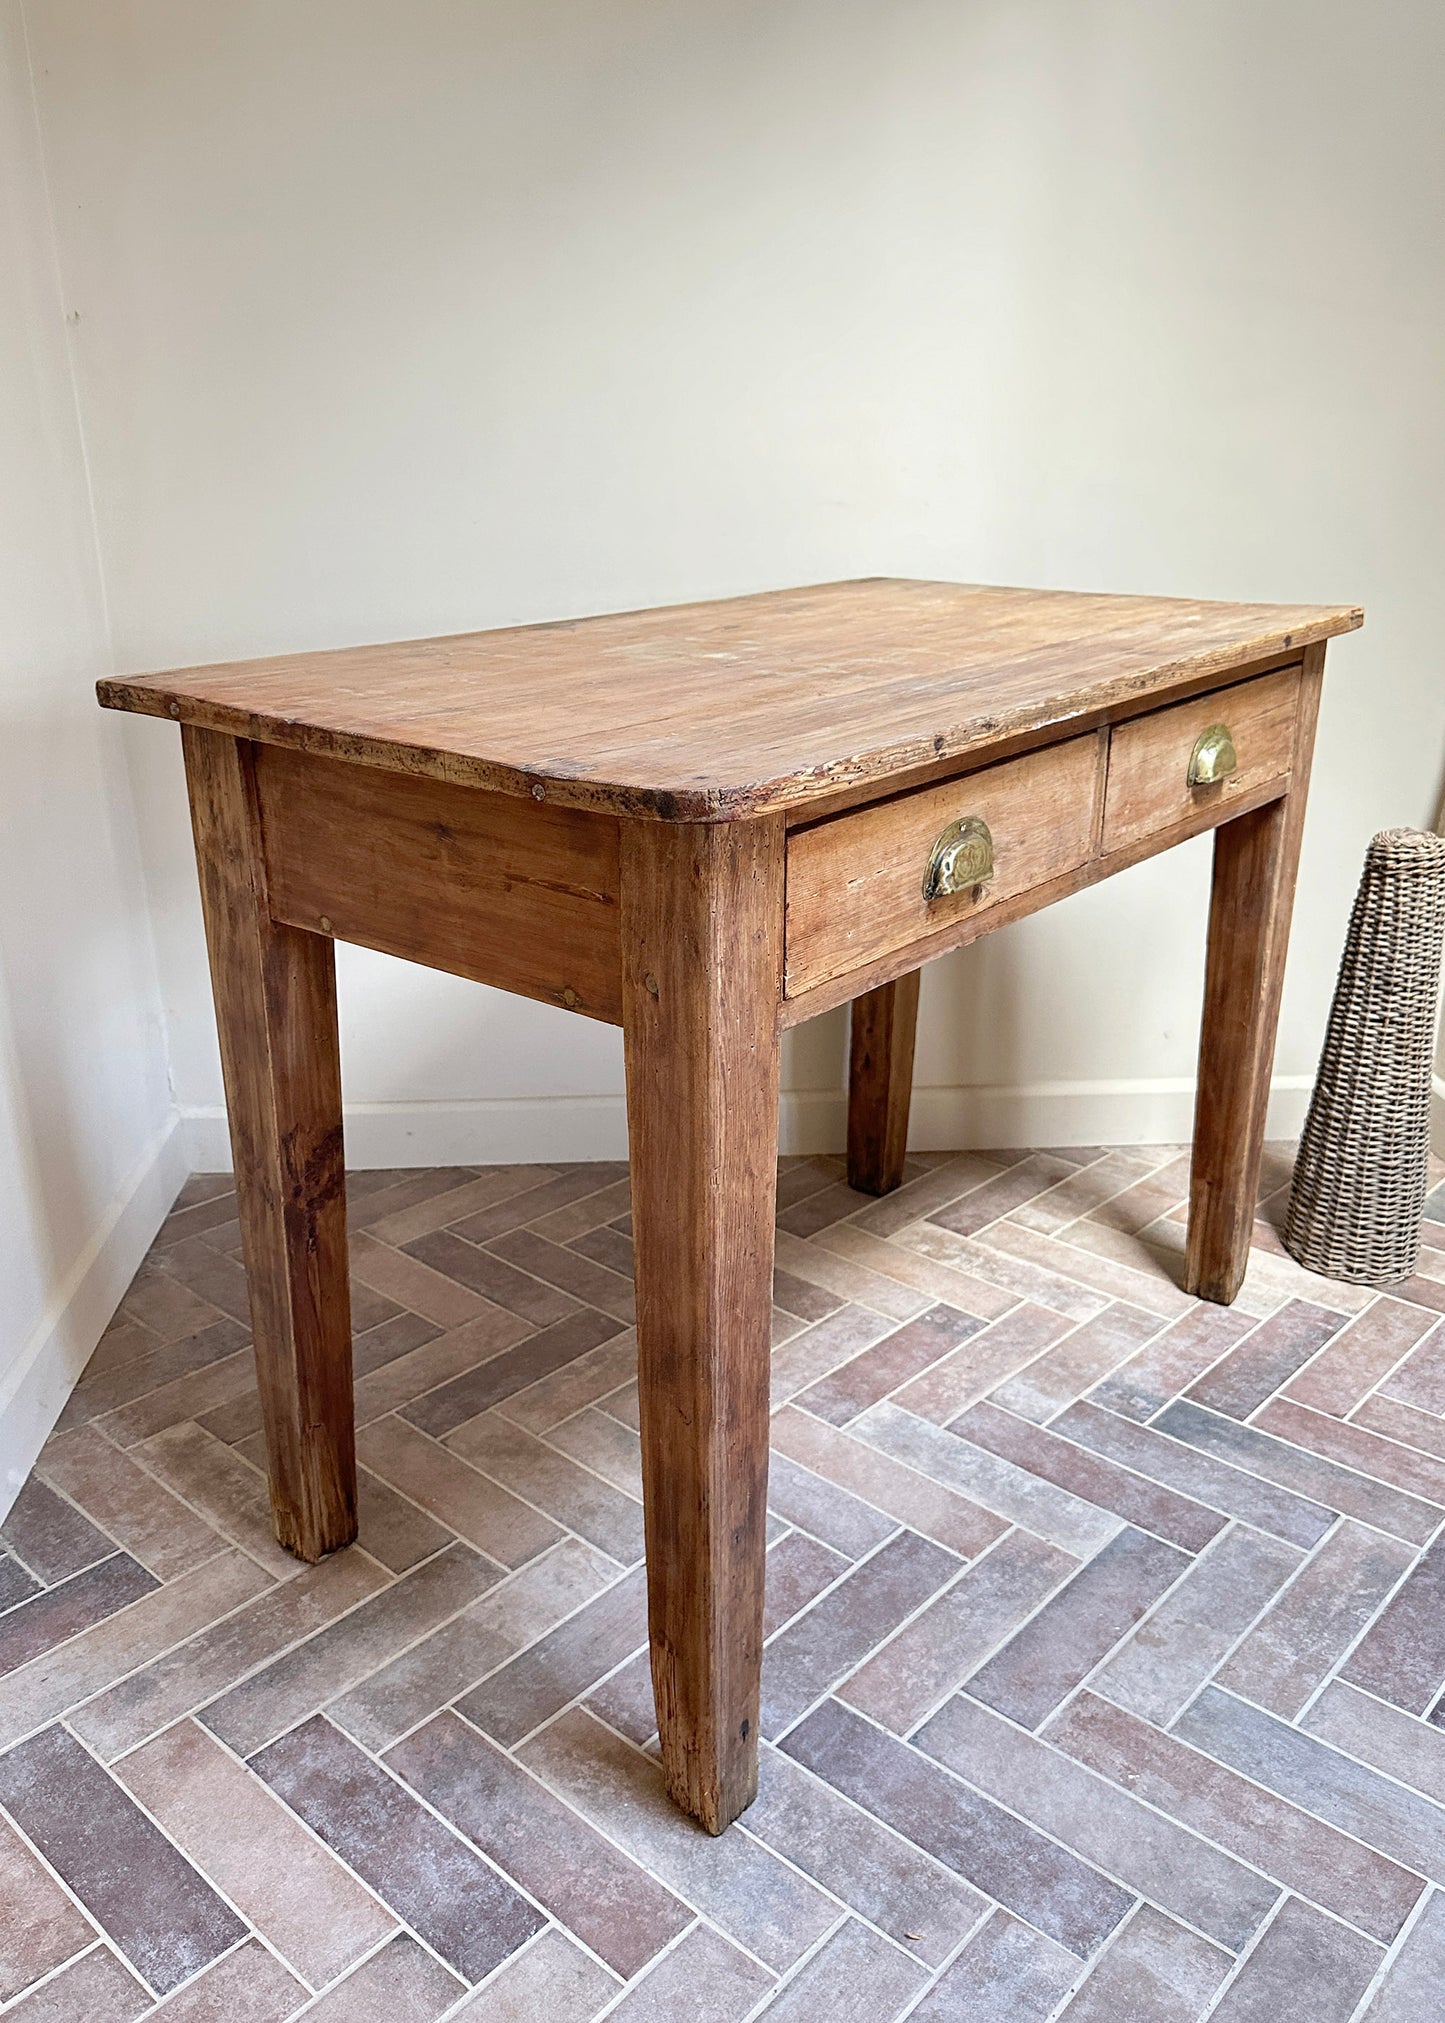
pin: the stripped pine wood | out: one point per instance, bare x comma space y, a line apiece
715, 710
458, 802
275, 992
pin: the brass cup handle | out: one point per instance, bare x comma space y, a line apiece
1213, 757
961, 859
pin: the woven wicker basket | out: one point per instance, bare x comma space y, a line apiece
1361, 1174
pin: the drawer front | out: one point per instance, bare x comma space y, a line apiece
1149, 788
855, 888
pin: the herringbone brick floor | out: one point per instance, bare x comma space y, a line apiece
1107, 1633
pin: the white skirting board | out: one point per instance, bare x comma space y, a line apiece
520, 1129
36, 1389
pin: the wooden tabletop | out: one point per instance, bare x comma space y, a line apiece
707, 712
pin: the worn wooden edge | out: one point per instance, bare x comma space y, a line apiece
851, 983
681, 801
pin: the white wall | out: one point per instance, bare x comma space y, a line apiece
405, 316
88, 1160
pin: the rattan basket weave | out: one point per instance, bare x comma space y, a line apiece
1362, 1170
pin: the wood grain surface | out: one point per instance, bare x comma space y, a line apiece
882, 1031
702, 921
275, 992
855, 881
1256, 862
714, 711
514, 894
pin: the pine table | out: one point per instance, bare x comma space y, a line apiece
705, 824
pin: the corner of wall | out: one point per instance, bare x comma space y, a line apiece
58, 1350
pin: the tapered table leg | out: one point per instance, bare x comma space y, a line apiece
275, 992
1256, 859
880, 1083
702, 968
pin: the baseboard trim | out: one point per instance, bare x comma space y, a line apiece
505, 1130
36, 1389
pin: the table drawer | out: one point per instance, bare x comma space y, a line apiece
855, 884
1149, 787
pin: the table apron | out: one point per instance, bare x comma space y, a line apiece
487, 886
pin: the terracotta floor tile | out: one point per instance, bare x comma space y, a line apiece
826, 1642
78, 1603
1171, 1361
1404, 1826
1056, 1891
393, 1529
457, 1495
402, 1983
880, 1370
836, 1516
999, 1530
230, 1493
571, 1272
218, 1382
908, 1675
833, 1267
815, 1351
1307, 1474
50, 1536
41, 1927
1362, 1355
570, 1495
454, 1657
481, 1271
295, 1684
705, 1977
1304, 1962
612, 1904
1155, 1969
854, 1977
17, 1583
156, 1528
1013, 1493
582, 1381
160, 1913
441, 1410
959, 1379
1308, 1630
1385, 1737
94, 1986
1076, 1362
412, 1283
1007, 1974
285, 1883
1154, 1856
1412, 1981
447, 1894
552, 1978
216, 1625
1149, 1451
1133, 1497
1301, 1852
898, 1491
559, 1667
923, 1277
610, 1450
247, 1986
920, 1904
1161, 1664
759, 1901
435, 1362
1057, 1648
